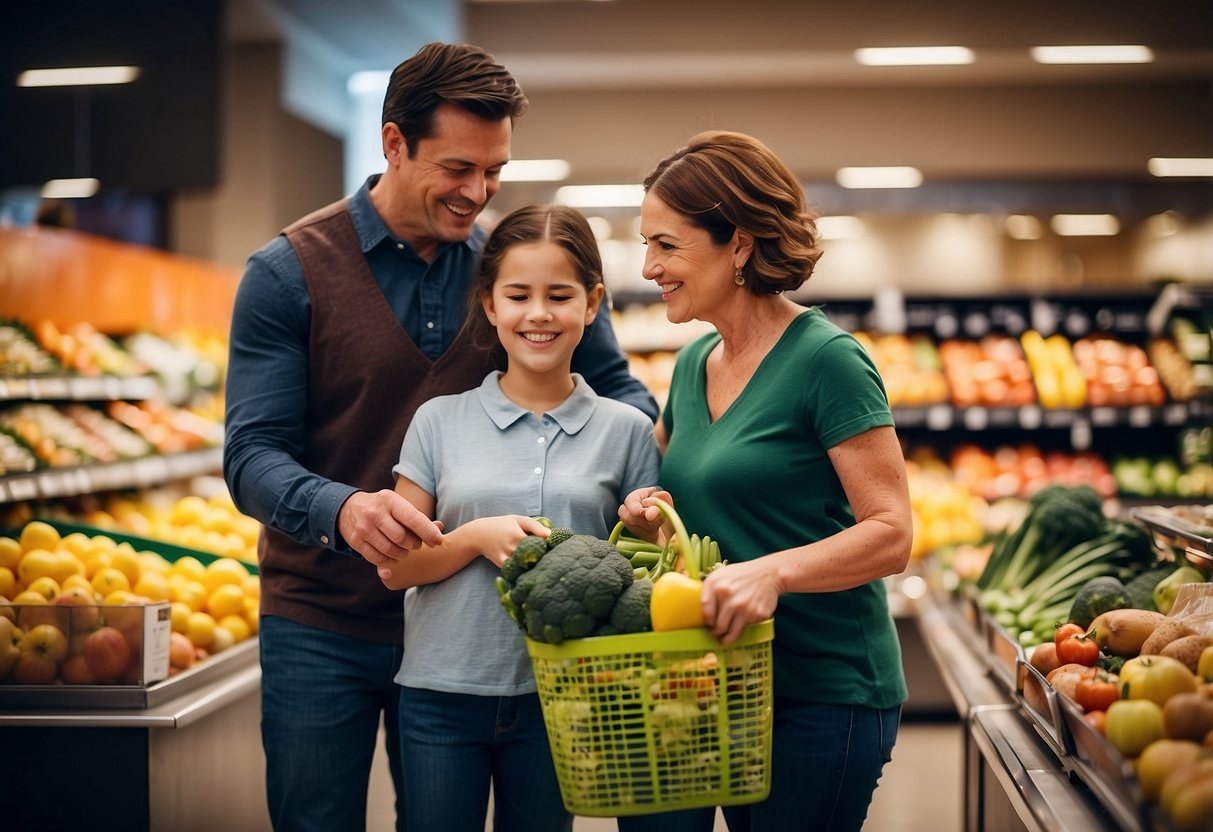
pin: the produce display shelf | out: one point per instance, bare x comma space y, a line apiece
15, 698
56, 387
50, 483
1173, 531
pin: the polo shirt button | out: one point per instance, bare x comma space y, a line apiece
538, 470
324, 538
399, 246
429, 324
542, 440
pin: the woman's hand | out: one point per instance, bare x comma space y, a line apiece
496, 537
640, 514
738, 594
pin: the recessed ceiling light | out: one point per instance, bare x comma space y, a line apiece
600, 196
1161, 166
914, 55
77, 76
1084, 225
879, 177
70, 188
1095, 54
535, 170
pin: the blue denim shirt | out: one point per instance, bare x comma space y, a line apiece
268, 365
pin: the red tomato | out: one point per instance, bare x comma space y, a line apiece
1097, 720
1079, 649
1096, 690
1064, 631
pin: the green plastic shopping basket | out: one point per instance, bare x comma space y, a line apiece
651, 722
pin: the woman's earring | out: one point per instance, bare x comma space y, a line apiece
738, 278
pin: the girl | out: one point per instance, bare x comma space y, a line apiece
533, 440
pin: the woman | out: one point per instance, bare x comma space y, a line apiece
779, 443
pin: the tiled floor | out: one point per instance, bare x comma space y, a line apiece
920, 790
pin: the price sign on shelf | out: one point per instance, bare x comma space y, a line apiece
939, 417
22, 488
1140, 416
976, 418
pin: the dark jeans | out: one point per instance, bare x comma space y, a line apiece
322, 695
455, 744
825, 762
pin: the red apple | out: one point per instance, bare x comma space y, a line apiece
34, 668
75, 671
107, 653
87, 614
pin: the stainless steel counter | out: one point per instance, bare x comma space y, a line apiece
191, 762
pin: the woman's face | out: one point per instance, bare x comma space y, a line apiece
540, 307
695, 274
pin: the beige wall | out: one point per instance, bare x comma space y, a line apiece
274, 167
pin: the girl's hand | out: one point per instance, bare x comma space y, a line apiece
496, 537
640, 514
739, 594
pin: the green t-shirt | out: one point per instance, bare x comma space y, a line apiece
758, 480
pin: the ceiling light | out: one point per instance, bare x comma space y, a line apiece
1121, 54
914, 55
76, 76
1084, 225
600, 196
840, 227
879, 177
1160, 166
1023, 227
535, 170
70, 188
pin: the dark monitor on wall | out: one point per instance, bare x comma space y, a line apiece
154, 134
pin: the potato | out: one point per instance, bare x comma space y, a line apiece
1165, 633
1044, 658
1065, 678
1188, 649
1122, 632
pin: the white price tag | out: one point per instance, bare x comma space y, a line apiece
1029, 417
1174, 414
23, 488
939, 417
976, 418
1140, 416
1103, 417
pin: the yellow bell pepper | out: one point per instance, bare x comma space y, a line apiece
676, 602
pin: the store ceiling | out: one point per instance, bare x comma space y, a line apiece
617, 85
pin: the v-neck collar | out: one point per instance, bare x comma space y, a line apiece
793, 324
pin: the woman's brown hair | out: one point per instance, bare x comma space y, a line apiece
724, 181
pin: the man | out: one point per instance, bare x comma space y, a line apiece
343, 325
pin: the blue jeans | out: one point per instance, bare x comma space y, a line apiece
453, 745
825, 762
321, 699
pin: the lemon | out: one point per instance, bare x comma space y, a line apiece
108, 580
10, 552
190, 567
237, 626
46, 586
193, 594
78, 543
126, 561
39, 535
224, 600
179, 616
36, 563
201, 629
224, 571
7, 581
152, 585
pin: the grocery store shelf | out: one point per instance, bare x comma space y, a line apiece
109, 476
945, 417
78, 388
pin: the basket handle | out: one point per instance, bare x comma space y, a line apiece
690, 553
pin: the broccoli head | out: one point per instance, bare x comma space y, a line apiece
631, 612
559, 535
572, 589
526, 554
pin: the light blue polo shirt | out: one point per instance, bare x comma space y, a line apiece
481, 455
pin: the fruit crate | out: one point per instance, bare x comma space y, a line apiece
1002, 652
153, 689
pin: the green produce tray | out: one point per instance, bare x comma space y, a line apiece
170, 551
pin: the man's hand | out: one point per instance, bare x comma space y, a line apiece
383, 526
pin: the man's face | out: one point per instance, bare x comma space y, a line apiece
450, 178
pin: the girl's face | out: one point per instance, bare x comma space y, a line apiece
695, 274
540, 307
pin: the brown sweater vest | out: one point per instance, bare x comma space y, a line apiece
366, 379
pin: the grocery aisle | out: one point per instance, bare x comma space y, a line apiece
919, 792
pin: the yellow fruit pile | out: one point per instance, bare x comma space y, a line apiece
215, 604
212, 525
943, 510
